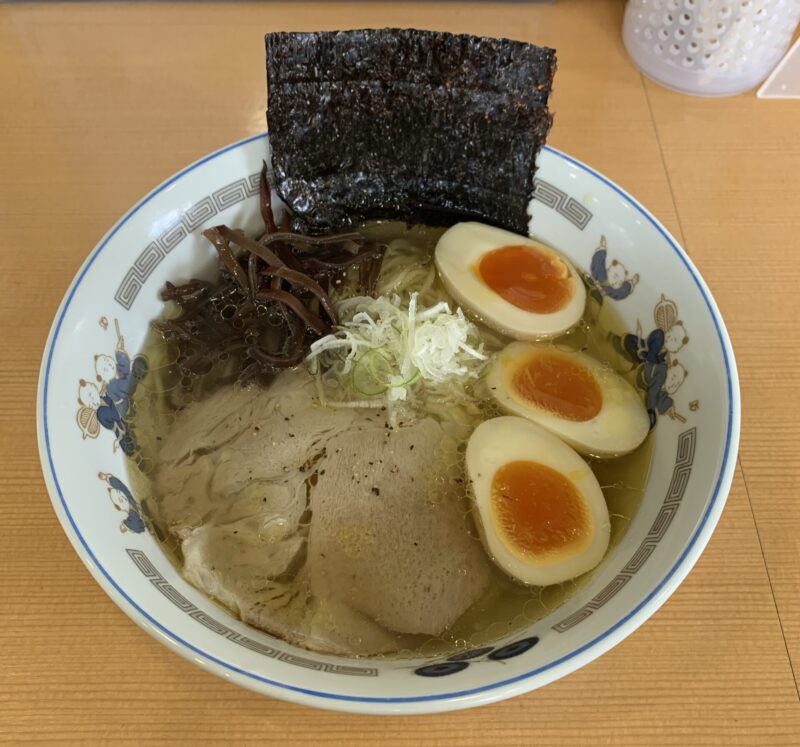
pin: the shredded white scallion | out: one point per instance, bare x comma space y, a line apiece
382, 351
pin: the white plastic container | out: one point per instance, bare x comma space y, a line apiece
708, 47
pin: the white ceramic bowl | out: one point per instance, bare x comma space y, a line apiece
686, 361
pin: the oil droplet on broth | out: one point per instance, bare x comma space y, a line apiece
271, 531
574, 340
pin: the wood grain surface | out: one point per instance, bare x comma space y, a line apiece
100, 102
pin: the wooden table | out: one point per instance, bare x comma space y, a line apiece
101, 102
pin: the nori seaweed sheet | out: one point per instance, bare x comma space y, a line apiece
396, 123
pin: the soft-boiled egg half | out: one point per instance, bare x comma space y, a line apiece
540, 511
513, 284
573, 395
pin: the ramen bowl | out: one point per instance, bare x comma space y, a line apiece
686, 370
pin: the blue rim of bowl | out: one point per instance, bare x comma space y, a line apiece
725, 467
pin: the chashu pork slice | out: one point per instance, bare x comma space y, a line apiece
388, 535
243, 452
324, 624
317, 525
267, 586
232, 483
235, 563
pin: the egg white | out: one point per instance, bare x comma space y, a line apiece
458, 251
620, 426
497, 442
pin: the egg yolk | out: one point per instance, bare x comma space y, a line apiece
527, 277
538, 510
556, 384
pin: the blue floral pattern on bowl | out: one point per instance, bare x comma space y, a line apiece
122, 499
609, 277
460, 661
105, 403
659, 373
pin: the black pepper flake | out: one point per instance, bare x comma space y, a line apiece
376, 491
411, 448
291, 435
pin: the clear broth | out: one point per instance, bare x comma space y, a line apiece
507, 606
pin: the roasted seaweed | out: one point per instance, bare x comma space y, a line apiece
396, 123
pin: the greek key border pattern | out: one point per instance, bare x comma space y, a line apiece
177, 231
235, 192
566, 206
677, 487
149, 571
